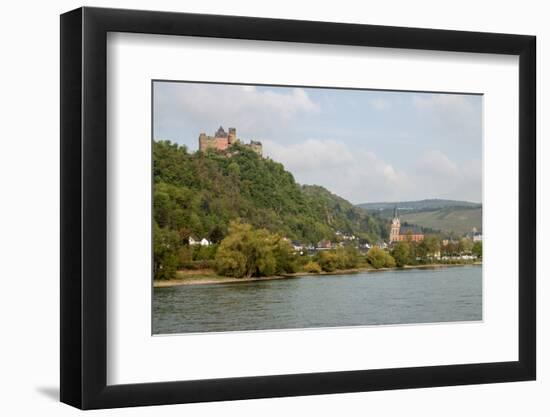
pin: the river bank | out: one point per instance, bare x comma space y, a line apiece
208, 276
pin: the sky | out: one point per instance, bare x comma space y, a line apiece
364, 145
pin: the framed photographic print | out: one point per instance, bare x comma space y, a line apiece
256, 207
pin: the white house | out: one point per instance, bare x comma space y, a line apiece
475, 235
297, 246
205, 242
192, 241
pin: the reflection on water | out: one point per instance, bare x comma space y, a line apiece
390, 297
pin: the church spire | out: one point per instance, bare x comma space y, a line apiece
395, 212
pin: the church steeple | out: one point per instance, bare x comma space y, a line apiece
395, 226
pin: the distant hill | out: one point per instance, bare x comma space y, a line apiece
459, 220
430, 204
447, 216
199, 193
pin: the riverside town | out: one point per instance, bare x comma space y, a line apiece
341, 242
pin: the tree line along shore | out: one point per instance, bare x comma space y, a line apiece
208, 276
247, 254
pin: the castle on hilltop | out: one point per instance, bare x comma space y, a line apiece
400, 233
222, 140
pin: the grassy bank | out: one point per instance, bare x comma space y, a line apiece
209, 276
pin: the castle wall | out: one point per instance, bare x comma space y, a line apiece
209, 142
222, 143
205, 142
256, 147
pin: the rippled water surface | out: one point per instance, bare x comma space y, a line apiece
390, 297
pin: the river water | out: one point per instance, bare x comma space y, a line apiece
371, 298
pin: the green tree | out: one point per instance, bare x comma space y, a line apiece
231, 263
451, 249
204, 253
185, 256
216, 234
165, 252
237, 253
329, 260
425, 250
465, 245
350, 256
477, 250
234, 169
312, 267
389, 261
379, 258
285, 259
247, 252
431, 243
341, 258
401, 253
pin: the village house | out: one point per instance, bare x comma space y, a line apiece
297, 246
203, 242
324, 244
475, 235
344, 236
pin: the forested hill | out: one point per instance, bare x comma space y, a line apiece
199, 193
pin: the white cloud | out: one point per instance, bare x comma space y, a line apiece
360, 175
437, 164
311, 155
441, 177
354, 174
451, 117
255, 111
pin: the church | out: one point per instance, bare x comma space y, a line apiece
400, 233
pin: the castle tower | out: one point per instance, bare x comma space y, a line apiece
232, 136
220, 133
203, 142
395, 227
256, 147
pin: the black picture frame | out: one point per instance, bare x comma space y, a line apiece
84, 207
